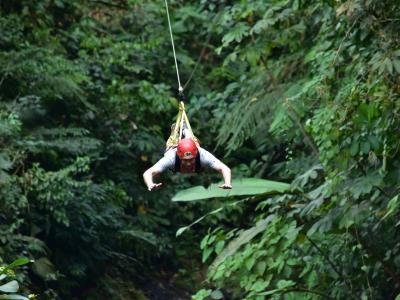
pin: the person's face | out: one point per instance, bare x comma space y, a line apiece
187, 162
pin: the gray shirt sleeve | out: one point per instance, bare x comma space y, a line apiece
207, 160
167, 161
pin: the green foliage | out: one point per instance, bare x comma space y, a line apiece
81, 100
11, 287
312, 89
293, 91
241, 187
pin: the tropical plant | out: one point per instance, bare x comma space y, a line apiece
315, 82
8, 285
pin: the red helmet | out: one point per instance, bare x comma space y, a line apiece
187, 149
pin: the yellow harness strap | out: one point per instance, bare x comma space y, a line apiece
176, 133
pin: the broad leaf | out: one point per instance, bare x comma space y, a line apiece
241, 187
217, 294
13, 297
19, 262
9, 287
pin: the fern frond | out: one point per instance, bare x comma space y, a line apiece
242, 122
265, 107
70, 140
44, 73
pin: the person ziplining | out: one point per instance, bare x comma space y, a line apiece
183, 152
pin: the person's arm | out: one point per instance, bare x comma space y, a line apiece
208, 160
148, 178
226, 174
166, 162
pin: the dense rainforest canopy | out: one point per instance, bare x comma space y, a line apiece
305, 92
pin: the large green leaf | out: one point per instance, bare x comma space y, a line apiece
19, 262
10, 287
13, 297
241, 187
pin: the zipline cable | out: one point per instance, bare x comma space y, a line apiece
182, 118
180, 88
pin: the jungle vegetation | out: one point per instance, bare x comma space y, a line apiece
302, 92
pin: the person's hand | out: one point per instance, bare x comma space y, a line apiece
225, 186
154, 186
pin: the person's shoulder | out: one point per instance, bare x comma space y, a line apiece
201, 149
170, 151
167, 161
205, 154
171, 154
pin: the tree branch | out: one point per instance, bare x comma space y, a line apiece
296, 119
328, 260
